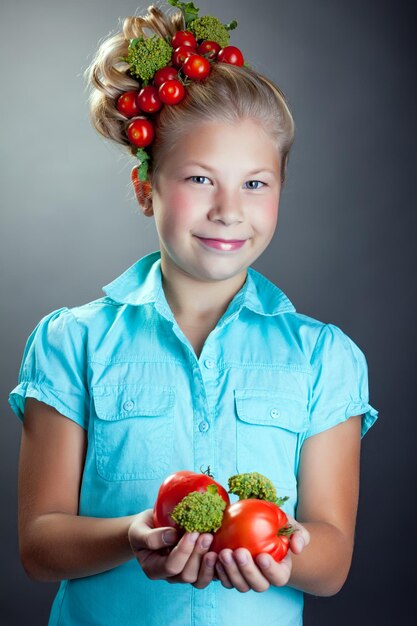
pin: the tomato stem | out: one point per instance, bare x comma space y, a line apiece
286, 531
207, 471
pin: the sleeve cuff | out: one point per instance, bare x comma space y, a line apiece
18, 395
369, 417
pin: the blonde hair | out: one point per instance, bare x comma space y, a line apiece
229, 94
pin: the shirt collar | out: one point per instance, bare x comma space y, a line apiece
141, 284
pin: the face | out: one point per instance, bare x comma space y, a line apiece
220, 185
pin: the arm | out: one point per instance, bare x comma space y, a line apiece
55, 542
328, 487
328, 491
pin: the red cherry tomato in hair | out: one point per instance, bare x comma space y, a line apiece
165, 73
148, 99
140, 132
210, 48
196, 67
184, 38
180, 54
171, 92
231, 55
127, 104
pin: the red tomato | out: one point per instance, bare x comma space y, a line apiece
196, 67
165, 73
127, 104
171, 91
148, 99
211, 48
231, 55
180, 54
140, 132
175, 488
184, 38
253, 524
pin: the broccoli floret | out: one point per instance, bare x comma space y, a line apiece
143, 158
147, 56
210, 28
200, 512
254, 485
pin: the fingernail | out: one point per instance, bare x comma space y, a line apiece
169, 537
206, 543
192, 538
264, 561
227, 557
211, 561
301, 541
242, 559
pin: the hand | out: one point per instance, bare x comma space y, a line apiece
186, 562
237, 569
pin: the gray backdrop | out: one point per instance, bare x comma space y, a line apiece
343, 250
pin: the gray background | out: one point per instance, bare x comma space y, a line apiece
343, 250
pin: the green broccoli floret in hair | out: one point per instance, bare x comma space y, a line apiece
200, 512
210, 28
147, 56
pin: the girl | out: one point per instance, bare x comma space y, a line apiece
191, 358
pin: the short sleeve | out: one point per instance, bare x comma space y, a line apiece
53, 368
340, 382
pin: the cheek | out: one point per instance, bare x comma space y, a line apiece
180, 209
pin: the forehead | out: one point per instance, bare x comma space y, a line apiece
224, 144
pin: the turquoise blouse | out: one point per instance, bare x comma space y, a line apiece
267, 379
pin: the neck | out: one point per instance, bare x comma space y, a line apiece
198, 300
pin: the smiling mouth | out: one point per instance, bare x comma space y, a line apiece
222, 245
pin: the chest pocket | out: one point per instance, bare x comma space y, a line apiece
267, 435
133, 430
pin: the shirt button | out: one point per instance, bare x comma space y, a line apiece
209, 363
128, 405
275, 413
203, 426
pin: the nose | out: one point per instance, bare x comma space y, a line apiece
227, 207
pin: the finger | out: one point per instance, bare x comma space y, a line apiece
142, 534
300, 538
207, 569
277, 574
232, 571
191, 570
223, 577
250, 571
178, 558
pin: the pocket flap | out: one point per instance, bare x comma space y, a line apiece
265, 407
116, 402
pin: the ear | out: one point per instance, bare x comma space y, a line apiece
143, 192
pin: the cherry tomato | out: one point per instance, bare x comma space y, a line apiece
140, 132
210, 48
180, 54
175, 487
256, 525
148, 99
171, 91
196, 67
165, 73
184, 38
231, 55
127, 104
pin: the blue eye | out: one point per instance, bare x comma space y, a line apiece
191, 177
256, 181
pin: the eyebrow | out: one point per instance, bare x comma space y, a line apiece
207, 167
